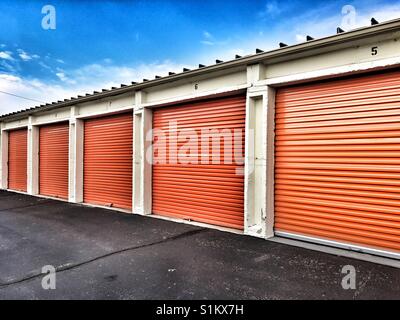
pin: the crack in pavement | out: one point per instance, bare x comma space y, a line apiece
362, 285
68, 267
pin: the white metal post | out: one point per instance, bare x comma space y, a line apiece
4, 159
75, 166
142, 169
33, 158
255, 214
147, 168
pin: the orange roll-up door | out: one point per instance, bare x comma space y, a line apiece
53, 160
210, 192
337, 170
108, 161
17, 160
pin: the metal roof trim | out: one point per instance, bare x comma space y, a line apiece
348, 36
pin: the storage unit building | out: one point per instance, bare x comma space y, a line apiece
17, 160
108, 161
337, 160
201, 185
317, 160
53, 160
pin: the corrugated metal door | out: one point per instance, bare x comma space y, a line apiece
210, 192
337, 160
17, 160
108, 161
53, 160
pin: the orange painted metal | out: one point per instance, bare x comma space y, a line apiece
17, 160
210, 192
337, 157
108, 154
53, 160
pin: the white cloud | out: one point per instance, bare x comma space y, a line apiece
29, 88
381, 13
25, 56
207, 35
9, 77
319, 22
7, 55
73, 82
209, 40
207, 43
105, 75
313, 24
301, 37
60, 61
8, 66
272, 8
61, 76
44, 65
64, 78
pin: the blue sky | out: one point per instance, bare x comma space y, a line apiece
98, 44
